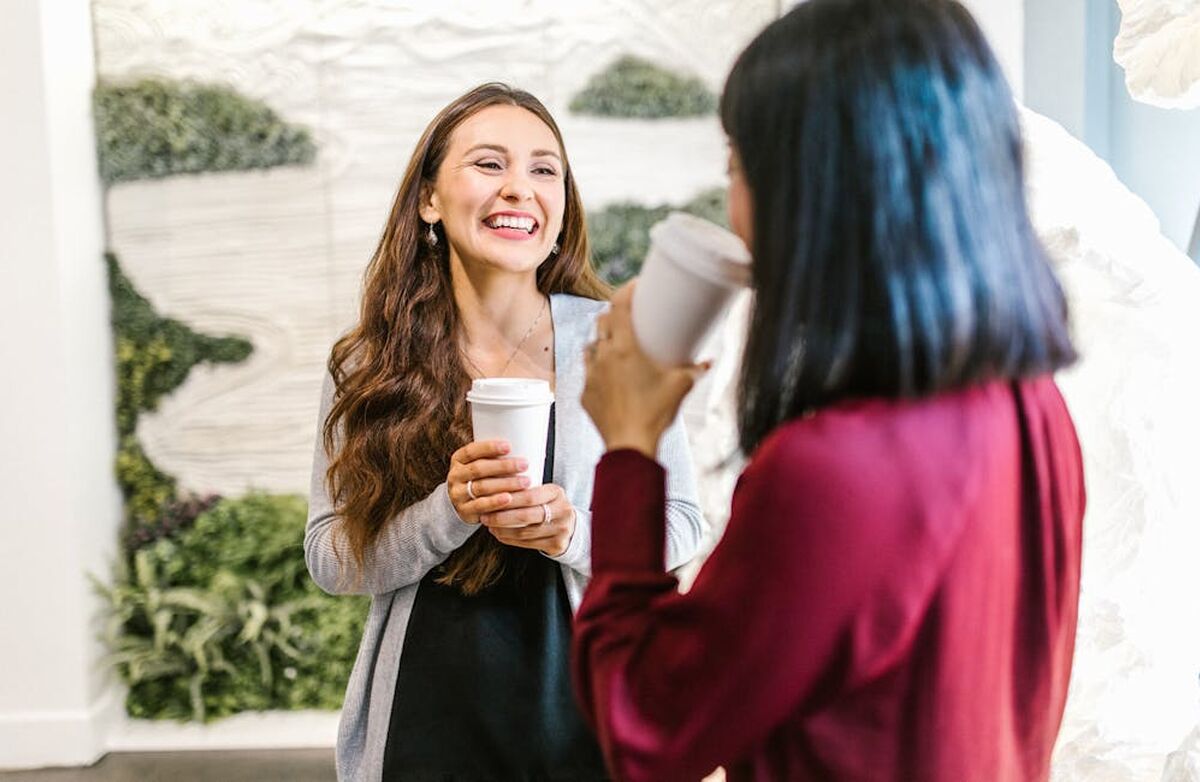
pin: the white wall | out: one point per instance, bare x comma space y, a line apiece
61, 508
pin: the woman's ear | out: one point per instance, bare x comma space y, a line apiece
427, 205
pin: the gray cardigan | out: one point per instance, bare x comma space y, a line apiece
424, 534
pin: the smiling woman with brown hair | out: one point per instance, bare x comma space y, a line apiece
482, 271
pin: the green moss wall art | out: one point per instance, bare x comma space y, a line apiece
638, 89
157, 128
211, 611
154, 356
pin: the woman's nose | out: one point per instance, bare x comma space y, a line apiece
516, 188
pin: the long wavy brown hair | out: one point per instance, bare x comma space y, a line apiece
400, 408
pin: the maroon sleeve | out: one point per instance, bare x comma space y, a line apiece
674, 684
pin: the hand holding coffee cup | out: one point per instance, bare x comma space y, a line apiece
691, 274
515, 412
631, 398
483, 478
640, 367
540, 518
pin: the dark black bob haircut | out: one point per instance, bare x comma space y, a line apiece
893, 252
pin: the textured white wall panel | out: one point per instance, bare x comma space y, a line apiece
278, 256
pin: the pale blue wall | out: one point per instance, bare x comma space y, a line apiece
1070, 76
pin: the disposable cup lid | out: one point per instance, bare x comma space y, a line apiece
703, 247
510, 391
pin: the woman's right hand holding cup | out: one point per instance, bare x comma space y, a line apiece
482, 478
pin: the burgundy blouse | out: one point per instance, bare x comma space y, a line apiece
894, 598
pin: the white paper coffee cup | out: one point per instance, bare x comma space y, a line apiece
689, 278
515, 409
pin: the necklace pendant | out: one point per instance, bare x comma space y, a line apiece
516, 350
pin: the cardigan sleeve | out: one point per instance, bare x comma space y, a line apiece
411, 544
674, 684
685, 523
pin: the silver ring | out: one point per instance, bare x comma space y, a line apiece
546, 515
470, 491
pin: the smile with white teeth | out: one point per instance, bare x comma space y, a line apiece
508, 221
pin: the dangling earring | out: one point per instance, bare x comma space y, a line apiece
554, 249
431, 236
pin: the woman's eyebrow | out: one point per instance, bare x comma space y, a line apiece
504, 151
492, 147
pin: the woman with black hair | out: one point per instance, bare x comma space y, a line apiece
895, 596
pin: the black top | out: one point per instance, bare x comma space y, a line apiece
484, 690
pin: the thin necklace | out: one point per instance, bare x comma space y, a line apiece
516, 350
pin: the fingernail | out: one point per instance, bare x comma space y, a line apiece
504, 447
524, 482
522, 464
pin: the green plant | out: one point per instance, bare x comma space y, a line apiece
223, 618
174, 516
620, 233
157, 128
637, 88
154, 356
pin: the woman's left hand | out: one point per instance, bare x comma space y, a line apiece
539, 518
631, 398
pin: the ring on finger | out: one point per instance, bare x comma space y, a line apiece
546, 514
470, 491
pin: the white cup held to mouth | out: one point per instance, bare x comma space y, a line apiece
515, 409
689, 278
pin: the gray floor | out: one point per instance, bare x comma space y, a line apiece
306, 765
